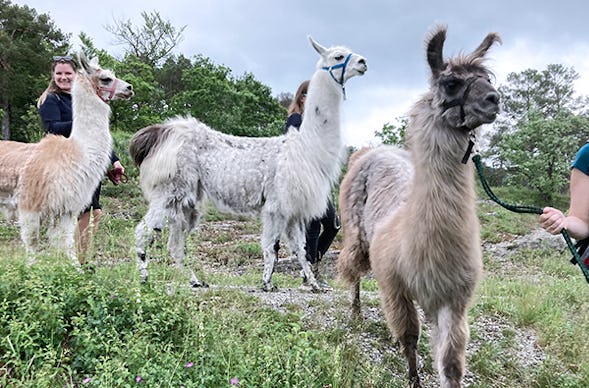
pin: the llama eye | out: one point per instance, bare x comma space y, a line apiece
106, 80
452, 84
339, 57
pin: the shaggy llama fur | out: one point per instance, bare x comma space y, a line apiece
410, 215
55, 178
285, 180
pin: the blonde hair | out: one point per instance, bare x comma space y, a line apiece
297, 105
52, 87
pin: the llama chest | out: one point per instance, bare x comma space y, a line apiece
443, 269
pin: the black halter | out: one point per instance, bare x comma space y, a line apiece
460, 101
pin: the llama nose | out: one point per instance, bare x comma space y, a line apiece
130, 87
493, 98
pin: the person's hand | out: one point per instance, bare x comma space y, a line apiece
117, 165
117, 173
552, 220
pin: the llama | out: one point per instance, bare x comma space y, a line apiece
409, 215
55, 178
285, 180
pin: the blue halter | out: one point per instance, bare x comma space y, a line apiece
334, 67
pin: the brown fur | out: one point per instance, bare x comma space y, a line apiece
11, 160
410, 217
45, 168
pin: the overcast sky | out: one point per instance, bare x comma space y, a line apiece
269, 39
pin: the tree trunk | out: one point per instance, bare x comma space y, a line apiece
5, 119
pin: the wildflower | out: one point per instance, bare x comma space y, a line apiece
234, 381
137, 379
189, 365
86, 380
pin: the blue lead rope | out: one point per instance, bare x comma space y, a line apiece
334, 67
527, 209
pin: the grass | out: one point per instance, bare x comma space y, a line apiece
59, 327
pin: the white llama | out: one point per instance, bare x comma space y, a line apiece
285, 180
410, 215
55, 178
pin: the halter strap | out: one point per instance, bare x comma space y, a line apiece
111, 90
342, 65
460, 102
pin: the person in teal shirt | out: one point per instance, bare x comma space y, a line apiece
576, 222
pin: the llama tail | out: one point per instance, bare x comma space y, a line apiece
353, 260
146, 140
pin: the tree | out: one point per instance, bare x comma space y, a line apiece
541, 150
153, 42
540, 129
239, 106
28, 42
393, 133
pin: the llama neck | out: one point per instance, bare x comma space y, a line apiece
320, 129
313, 154
440, 177
90, 126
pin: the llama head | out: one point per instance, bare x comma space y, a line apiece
340, 62
461, 86
105, 83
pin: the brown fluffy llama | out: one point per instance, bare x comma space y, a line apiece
54, 179
409, 215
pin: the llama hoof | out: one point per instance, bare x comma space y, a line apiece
414, 382
355, 313
198, 284
317, 289
269, 287
88, 268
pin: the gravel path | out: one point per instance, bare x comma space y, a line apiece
331, 309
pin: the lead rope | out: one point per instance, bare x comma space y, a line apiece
521, 209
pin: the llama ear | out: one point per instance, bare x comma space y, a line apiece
320, 49
435, 47
480, 51
94, 62
84, 62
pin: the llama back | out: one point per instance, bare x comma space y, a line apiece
13, 156
385, 176
186, 152
377, 184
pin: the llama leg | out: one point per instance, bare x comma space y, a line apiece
271, 231
29, 233
144, 235
451, 342
67, 226
355, 288
296, 241
179, 227
402, 319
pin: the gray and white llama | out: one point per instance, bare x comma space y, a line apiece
410, 217
55, 178
284, 180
